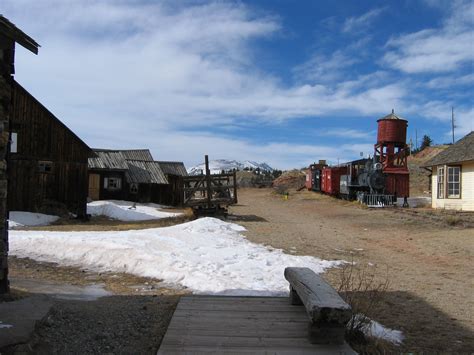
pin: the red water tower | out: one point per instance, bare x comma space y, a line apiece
391, 151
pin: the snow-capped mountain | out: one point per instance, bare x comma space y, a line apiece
219, 165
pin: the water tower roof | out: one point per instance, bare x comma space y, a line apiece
392, 116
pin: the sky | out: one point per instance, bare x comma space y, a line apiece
276, 81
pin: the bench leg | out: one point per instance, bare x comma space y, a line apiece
326, 334
295, 300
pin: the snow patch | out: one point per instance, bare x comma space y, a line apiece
206, 255
21, 219
377, 330
128, 211
5, 325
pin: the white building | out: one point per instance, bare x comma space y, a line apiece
452, 179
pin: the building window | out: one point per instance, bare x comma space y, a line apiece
441, 182
454, 182
14, 143
134, 188
45, 167
113, 183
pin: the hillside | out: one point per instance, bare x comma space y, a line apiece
419, 177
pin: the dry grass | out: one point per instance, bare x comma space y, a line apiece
105, 224
363, 290
453, 220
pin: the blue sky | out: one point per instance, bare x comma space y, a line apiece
278, 81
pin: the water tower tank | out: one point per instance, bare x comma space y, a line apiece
392, 129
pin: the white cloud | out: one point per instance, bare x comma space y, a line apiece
436, 50
361, 23
450, 81
322, 68
441, 111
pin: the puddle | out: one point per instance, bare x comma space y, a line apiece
61, 291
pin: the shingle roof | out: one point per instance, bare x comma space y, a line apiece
173, 168
145, 172
107, 159
462, 150
10, 30
137, 154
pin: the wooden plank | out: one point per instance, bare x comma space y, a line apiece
241, 325
322, 302
204, 350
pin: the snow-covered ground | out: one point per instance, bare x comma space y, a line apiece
21, 219
124, 210
206, 255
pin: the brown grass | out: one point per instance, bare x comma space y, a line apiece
105, 224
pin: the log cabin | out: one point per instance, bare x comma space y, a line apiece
47, 162
133, 175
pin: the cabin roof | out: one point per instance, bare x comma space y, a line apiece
108, 160
145, 172
137, 154
173, 168
462, 150
11, 31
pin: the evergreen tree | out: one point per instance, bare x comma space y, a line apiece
425, 142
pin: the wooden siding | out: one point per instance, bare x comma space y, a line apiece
466, 202
42, 137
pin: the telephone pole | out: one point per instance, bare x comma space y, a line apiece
452, 121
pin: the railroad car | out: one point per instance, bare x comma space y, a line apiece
314, 176
330, 182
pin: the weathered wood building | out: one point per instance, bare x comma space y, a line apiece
174, 172
9, 35
47, 162
133, 175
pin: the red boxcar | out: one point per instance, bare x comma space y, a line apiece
331, 178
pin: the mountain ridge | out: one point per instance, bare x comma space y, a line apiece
218, 165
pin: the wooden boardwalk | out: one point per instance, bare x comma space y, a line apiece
241, 325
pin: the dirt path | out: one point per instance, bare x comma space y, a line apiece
430, 265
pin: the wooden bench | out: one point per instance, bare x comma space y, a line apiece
328, 312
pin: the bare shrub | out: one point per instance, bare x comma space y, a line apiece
281, 190
364, 291
453, 220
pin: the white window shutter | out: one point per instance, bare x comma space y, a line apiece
106, 183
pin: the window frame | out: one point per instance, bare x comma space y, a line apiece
448, 182
45, 167
441, 186
13, 142
116, 183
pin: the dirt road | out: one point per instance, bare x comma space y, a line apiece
430, 265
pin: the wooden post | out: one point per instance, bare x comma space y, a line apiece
208, 182
9, 34
7, 47
235, 187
